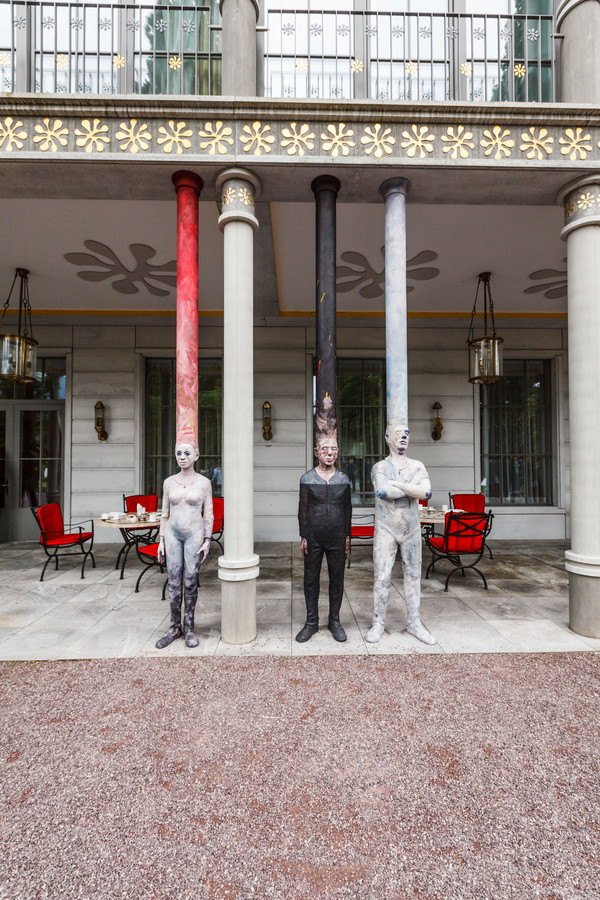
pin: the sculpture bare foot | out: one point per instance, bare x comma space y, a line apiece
190, 639
375, 632
171, 635
418, 630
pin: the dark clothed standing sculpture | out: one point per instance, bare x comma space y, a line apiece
324, 516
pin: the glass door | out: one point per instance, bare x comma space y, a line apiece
31, 464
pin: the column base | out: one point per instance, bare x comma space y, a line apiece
584, 605
238, 611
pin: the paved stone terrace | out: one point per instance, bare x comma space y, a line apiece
524, 610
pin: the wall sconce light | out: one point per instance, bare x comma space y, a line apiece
436, 434
99, 421
267, 430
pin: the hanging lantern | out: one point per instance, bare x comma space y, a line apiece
485, 353
18, 352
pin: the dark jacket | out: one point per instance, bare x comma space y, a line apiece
325, 508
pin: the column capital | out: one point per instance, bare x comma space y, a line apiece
394, 186
254, 3
184, 178
239, 189
325, 183
581, 200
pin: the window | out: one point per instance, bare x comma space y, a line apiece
50, 383
159, 422
361, 422
516, 435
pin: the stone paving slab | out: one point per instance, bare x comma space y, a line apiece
101, 616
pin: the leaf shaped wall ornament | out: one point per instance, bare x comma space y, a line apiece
360, 275
103, 264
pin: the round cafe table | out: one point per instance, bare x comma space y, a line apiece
132, 530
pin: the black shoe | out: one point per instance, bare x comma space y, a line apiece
306, 633
191, 640
171, 635
337, 631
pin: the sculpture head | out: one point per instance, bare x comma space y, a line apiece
186, 455
326, 450
397, 437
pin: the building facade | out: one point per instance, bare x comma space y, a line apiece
487, 112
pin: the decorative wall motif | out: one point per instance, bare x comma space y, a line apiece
553, 282
360, 275
106, 265
583, 203
404, 142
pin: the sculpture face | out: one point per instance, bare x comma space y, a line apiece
186, 456
327, 451
398, 439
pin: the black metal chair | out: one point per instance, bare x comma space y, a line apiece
464, 536
55, 539
362, 529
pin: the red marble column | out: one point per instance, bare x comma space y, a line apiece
188, 186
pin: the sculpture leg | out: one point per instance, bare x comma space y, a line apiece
384, 557
410, 550
174, 552
190, 588
336, 558
312, 574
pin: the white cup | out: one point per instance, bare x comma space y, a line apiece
105, 516
444, 507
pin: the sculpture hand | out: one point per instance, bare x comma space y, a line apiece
204, 551
304, 547
347, 545
161, 552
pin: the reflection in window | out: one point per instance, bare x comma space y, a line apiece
159, 423
40, 457
49, 384
516, 435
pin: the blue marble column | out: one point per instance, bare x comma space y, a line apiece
394, 192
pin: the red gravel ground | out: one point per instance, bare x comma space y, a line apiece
400, 777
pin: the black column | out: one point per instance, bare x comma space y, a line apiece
325, 189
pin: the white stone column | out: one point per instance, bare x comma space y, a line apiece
238, 567
581, 231
579, 23
239, 47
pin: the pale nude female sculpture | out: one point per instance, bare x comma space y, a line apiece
185, 533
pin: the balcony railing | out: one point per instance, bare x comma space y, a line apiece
409, 56
109, 48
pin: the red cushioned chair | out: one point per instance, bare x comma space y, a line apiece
55, 538
470, 503
218, 524
130, 505
464, 535
148, 554
362, 529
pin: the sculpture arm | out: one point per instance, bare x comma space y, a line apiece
208, 516
303, 510
164, 516
385, 489
420, 486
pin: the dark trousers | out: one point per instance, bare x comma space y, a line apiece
336, 557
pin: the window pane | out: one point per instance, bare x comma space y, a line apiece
516, 435
160, 422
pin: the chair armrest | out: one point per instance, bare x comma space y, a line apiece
77, 525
